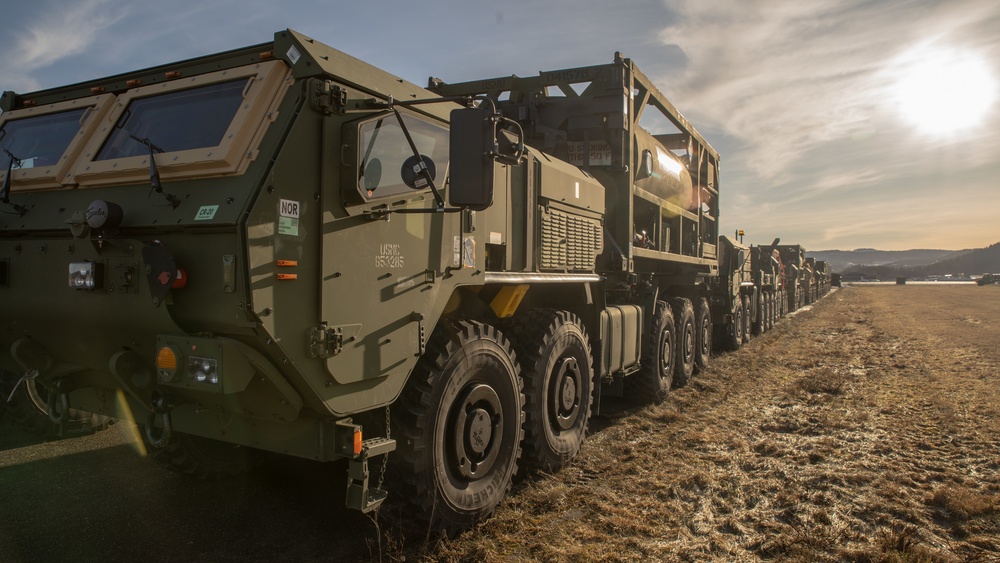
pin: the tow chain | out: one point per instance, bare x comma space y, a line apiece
28, 376
385, 460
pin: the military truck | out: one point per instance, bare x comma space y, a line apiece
284, 248
733, 295
765, 265
824, 277
793, 256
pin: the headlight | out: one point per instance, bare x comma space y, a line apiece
85, 275
203, 370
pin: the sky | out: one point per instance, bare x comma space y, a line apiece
842, 124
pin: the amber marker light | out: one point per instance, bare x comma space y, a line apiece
172, 74
288, 276
132, 83
166, 363
267, 55
287, 263
357, 441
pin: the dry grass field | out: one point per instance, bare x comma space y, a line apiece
866, 428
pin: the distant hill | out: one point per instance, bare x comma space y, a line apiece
984, 260
887, 265
843, 260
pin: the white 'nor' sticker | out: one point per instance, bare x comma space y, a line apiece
288, 217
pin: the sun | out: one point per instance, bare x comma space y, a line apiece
942, 90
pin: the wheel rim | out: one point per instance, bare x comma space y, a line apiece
476, 423
706, 338
688, 343
666, 357
564, 393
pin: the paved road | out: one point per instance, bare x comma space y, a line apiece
95, 499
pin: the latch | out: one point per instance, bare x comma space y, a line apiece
325, 341
327, 97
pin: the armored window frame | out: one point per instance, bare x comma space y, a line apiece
238, 146
420, 128
55, 175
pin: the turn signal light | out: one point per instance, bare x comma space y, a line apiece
357, 441
166, 363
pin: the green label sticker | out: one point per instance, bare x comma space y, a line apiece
288, 226
206, 212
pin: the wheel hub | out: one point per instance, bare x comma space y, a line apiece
665, 356
688, 345
565, 396
477, 429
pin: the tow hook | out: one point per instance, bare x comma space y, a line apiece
60, 396
162, 407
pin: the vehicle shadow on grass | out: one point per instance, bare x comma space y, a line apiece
110, 504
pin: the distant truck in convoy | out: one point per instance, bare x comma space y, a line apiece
283, 248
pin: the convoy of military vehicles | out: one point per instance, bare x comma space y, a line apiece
283, 248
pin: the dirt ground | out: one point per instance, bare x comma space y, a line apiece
866, 428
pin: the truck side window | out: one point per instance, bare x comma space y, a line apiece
203, 125
382, 149
175, 121
39, 140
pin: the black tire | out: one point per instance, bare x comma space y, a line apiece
556, 366
747, 321
462, 418
766, 313
734, 333
28, 409
703, 328
652, 382
757, 324
687, 340
202, 459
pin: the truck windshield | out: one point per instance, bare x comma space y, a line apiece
175, 121
38, 140
383, 149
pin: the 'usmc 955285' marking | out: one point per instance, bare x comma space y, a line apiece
389, 256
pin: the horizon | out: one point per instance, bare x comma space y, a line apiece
840, 124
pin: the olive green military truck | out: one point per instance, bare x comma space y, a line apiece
283, 248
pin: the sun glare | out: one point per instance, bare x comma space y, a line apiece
943, 90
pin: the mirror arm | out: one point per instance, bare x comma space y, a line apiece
420, 161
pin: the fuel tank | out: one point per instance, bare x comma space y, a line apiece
662, 173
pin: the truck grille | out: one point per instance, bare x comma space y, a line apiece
570, 243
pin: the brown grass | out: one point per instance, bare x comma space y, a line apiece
865, 429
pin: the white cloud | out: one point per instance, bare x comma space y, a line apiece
805, 96
53, 34
65, 32
787, 77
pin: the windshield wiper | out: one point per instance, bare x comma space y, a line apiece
5, 190
154, 172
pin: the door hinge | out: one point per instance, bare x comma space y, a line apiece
325, 341
327, 97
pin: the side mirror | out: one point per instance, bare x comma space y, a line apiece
472, 145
